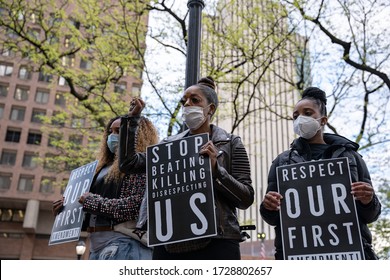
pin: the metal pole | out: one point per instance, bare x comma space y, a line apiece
194, 38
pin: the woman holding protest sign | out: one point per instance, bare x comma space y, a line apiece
230, 173
115, 198
310, 117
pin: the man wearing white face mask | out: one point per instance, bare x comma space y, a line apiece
310, 117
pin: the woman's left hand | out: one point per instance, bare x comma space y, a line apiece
363, 192
211, 151
83, 197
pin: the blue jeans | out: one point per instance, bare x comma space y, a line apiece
118, 250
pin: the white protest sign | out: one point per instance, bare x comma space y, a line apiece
180, 192
67, 224
318, 212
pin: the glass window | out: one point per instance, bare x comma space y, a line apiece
120, 87
17, 113
1, 111
13, 135
76, 141
34, 33
5, 69
47, 185
34, 138
77, 122
85, 64
6, 52
26, 183
24, 73
42, 96
21, 93
50, 163
47, 78
5, 181
58, 119
8, 157
30, 160
135, 90
62, 81
18, 215
53, 139
68, 60
37, 114
60, 99
3, 90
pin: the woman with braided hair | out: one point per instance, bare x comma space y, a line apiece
230, 171
310, 117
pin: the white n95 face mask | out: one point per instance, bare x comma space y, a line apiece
193, 116
306, 127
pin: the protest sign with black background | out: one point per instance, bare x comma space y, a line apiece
180, 192
67, 224
318, 212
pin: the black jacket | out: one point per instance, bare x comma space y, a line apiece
232, 182
339, 147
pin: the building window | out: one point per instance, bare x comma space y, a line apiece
120, 87
68, 61
58, 119
6, 70
77, 122
37, 115
68, 42
17, 113
6, 52
75, 23
1, 111
76, 141
30, 160
8, 157
42, 96
3, 90
54, 139
34, 33
11, 215
85, 64
60, 99
62, 81
135, 90
42, 77
21, 93
26, 183
5, 181
50, 163
34, 138
24, 73
13, 135
47, 185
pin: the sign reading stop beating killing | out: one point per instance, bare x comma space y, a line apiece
180, 192
318, 212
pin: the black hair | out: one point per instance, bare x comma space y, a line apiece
318, 96
207, 85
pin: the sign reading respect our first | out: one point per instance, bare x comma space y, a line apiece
67, 224
318, 212
180, 192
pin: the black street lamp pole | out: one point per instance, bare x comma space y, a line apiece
193, 46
